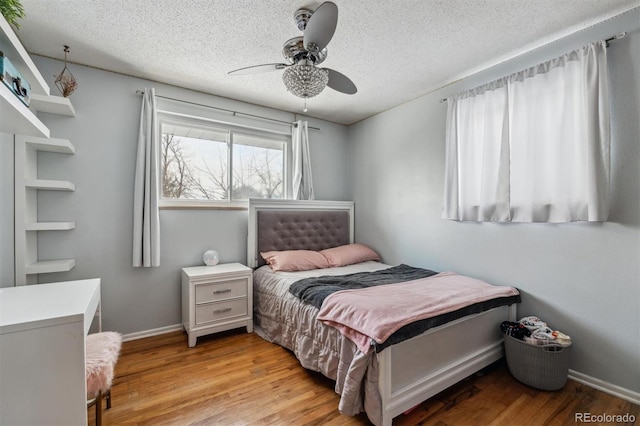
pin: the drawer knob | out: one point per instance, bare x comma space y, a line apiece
226, 290
222, 311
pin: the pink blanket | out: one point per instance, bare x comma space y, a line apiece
375, 313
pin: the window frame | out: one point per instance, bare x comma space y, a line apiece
185, 120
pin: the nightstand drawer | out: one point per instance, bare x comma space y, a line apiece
220, 291
220, 311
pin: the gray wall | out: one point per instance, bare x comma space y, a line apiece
104, 132
581, 278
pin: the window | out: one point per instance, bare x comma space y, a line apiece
210, 164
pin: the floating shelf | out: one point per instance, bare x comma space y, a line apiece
13, 49
49, 226
49, 266
52, 105
50, 185
17, 118
61, 146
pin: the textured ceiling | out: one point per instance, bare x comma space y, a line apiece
394, 51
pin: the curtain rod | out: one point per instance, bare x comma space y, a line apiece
140, 92
606, 41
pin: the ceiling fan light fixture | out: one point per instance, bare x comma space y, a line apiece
302, 76
305, 81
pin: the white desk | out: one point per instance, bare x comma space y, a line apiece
42, 352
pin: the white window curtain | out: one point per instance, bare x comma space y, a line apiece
146, 217
302, 179
477, 167
534, 146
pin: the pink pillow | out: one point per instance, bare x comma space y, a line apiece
295, 260
349, 254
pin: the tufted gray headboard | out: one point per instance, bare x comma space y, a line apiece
297, 225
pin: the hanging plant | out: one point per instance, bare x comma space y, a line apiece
12, 11
65, 81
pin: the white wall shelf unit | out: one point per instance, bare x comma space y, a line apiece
16, 117
27, 226
32, 136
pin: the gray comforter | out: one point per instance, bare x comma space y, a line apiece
315, 289
284, 319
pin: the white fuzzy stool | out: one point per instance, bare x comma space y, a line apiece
102, 355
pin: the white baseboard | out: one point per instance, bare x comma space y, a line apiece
149, 333
601, 385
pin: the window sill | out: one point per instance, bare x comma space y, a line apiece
202, 205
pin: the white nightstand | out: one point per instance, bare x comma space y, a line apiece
216, 298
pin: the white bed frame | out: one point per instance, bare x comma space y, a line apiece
416, 369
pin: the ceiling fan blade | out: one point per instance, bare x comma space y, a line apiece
256, 69
341, 82
321, 26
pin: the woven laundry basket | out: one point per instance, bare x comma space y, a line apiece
541, 367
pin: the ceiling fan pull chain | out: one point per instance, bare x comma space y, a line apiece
305, 105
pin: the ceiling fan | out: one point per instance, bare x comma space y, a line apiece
302, 76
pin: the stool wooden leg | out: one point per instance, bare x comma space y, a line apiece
108, 396
99, 409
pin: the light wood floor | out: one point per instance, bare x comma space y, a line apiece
236, 378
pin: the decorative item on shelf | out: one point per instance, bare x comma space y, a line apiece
11, 77
12, 11
210, 257
65, 81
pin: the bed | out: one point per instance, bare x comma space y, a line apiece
383, 383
